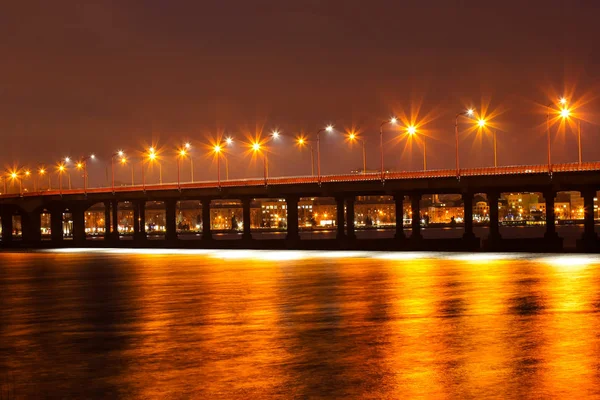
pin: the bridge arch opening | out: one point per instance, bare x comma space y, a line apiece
268, 218
442, 216
155, 219
317, 217
67, 224
95, 221
375, 216
522, 215
125, 220
226, 218
571, 211
46, 224
189, 218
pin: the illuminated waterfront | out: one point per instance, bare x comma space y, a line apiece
252, 324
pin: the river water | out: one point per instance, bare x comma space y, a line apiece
262, 325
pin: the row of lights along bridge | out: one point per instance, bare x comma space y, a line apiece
151, 155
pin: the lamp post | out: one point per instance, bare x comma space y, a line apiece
124, 162
67, 161
217, 151
412, 131
228, 142
180, 154
153, 156
470, 113
61, 169
41, 172
391, 121
187, 147
328, 128
121, 154
565, 113
83, 165
256, 147
482, 123
15, 176
301, 141
352, 137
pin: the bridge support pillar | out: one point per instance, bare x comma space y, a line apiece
78, 224
32, 225
292, 218
206, 233
246, 232
341, 230
56, 225
415, 206
114, 225
553, 241
350, 218
171, 217
494, 235
589, 240
107, 224
399, 202
7, 227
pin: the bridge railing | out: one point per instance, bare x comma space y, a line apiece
368, 177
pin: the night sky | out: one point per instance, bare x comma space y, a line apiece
82, 76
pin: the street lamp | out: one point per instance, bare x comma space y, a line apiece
353, 137
482, 123
256, 147
301, 141
27, 174
328, 128
61, 169
181, 153
188, 147
412, 131
152, 157
67, 160
217, 151
42, 172
228, 142
123, 161
83, 165
470, 112
15, 176
120, 154
391, 121
565, 113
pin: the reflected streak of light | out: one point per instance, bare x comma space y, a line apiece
571, 262
565, 260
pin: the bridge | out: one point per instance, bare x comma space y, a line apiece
28, 207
